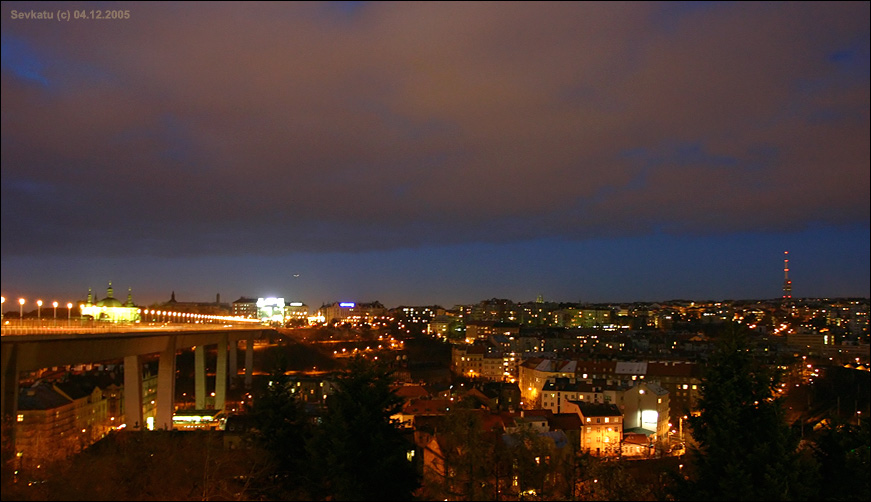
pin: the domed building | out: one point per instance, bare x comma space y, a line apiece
110, 308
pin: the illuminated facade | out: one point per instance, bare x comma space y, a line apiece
54, 422
271, 310
110, 308
245, 307
535, 372
296, 311
444, 326
646, 410
681, 379
482, 330
602, 429
476, 361
557, 392
479, 361
578, 317
186, 420
353, 312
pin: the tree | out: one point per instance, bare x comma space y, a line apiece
358, 450
535, 460
611, 479
148, 465
745, 450
843, 453
474, 463
281, 428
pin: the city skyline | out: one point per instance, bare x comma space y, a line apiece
97, 293
435, 153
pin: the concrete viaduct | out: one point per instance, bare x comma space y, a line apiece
21, 353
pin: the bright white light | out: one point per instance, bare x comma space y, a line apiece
649, 419
270, 302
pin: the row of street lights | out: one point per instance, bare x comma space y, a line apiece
55, 304
165, 315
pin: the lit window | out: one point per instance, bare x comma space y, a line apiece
20, 417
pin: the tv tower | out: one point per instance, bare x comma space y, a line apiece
787, 284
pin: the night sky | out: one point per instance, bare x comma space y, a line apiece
436, 153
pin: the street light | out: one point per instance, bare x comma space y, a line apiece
681, 433
38, 310
54, 304
21, 309
69, 311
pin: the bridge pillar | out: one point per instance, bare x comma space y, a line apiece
166, 386
133, 392
249, 359
234, 363
221, 375
9, 392
200, 376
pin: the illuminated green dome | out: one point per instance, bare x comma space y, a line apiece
110, 300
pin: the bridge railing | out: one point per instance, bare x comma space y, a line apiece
52, 326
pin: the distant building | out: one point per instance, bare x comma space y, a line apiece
110, 308
535, 372
495, 309
416, 409
557, 392
271, 310
681, 379
501, 396
296, 311
646, 410
205, 308
245, 307
56, 421
186, 420
440, 326
581, 317
810, 341
351, 312
636, 445
415, 318
482, 330
602, 431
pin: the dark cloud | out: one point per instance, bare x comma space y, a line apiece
227, 128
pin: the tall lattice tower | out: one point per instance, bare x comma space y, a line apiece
787, 284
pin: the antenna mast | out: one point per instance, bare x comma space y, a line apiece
787, 284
